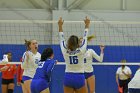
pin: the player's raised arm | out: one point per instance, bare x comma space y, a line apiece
60, 24
61, 35
87, 22
84, 42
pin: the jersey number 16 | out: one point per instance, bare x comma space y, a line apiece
73, 59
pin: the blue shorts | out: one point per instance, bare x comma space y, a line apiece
132, 90
24, 78
87, 75
74, 80
38, 85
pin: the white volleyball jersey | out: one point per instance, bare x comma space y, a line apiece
89, 55
30, 65
122, 76
74, 59
4, 61
135, 82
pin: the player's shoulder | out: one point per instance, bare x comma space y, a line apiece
127, 67
49, 60
119, 68
24, 53
38, 53
90, 50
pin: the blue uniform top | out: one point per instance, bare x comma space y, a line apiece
44, 69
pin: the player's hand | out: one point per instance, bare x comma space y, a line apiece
56, 61
18, 83
87, 22
60, 24
123, 72
60, 21
102, 47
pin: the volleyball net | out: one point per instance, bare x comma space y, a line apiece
121, 38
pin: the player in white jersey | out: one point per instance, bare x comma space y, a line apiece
4, 61
134, 84
89, 76
123, 77
74, 80
30, 62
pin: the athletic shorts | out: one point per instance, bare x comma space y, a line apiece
22, 81
7, 81
132, 90
87, 75
24, 78
38, 85
74, 80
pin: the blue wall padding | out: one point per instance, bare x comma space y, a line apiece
105, 75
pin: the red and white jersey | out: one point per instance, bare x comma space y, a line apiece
74, 59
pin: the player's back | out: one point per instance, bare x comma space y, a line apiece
74, 61
44, 69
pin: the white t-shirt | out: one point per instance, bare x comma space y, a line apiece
89, 55
135, 82
74, 59
4, 60
30, 66
122, 76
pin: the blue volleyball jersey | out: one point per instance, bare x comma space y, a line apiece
44, 69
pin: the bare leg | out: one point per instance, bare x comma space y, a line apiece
45, 91
4, 88
81, 90
91, 84
27, 84
68, 90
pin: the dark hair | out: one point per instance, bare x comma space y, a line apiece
46, 54
73, 43
27, 44
8, 52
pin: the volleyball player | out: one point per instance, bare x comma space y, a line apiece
4, 60
42, 77
89, 75
74, 80
134, 84
30, 62
8, 73
123, 77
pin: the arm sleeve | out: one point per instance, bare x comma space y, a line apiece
62, 42
117, 72
84, 42
130, 72
3, 62
24, 61
96, 56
